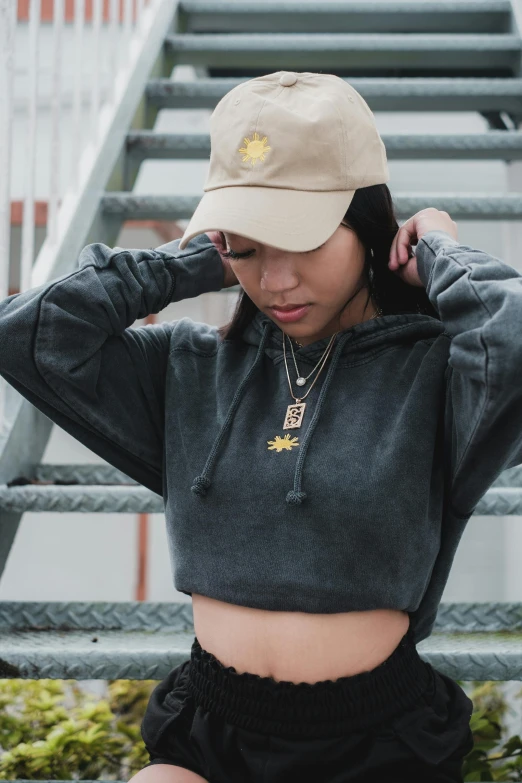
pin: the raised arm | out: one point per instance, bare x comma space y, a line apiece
479, 300
69, 347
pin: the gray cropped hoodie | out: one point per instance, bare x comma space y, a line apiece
361, 508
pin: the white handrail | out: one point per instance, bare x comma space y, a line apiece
7, 29
115, 38
127, 20
95, 93
54, 185
27, 257
7, 26
114, 52
139, 9
79, 22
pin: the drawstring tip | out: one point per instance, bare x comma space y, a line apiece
200, 485
295, 498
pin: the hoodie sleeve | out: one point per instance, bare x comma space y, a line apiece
479, 301
69, 347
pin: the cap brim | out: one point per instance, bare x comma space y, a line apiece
294, 220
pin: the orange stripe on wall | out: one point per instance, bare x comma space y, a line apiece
48, 5
143, 549
40, 213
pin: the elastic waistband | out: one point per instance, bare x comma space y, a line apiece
322, 709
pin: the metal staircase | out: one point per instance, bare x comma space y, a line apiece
401, 57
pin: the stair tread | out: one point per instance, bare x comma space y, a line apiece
493, 145
75, 655
84, 498
383, 93
377, 85
145, 640
350, 9
314, 41
466, 205
386, 53
113, 499
389, 15
152, 654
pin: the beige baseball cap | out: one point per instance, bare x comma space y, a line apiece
288, 150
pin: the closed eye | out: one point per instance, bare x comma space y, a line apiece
246, 253
233, 254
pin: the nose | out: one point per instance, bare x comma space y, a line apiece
278, 275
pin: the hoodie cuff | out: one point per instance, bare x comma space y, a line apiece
432, 244
197, 269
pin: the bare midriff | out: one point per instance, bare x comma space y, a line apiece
296, 646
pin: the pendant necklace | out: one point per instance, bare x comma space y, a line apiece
301, 380
295, 411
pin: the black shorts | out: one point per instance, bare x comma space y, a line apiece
401, 721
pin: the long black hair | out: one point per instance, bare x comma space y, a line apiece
371, 215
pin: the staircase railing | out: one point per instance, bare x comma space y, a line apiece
133, 43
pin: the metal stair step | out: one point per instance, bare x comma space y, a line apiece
92, 655
381, 93
82, 499
142, 640
85, 488
461, 206
144, 655
474, 53
97, 473
202, 16
106, 499
103, 489
103, 473
494, 145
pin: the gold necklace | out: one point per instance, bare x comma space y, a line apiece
295, 411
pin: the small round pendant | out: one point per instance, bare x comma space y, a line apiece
301, 381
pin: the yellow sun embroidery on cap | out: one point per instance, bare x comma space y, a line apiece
280, 444
254, 149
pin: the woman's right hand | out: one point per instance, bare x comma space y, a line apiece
230, 277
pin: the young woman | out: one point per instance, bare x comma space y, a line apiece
318, 467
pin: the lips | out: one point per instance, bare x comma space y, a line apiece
287, 308
289, 316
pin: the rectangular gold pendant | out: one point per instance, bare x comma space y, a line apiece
294, 415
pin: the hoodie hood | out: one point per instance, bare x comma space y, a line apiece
363, 338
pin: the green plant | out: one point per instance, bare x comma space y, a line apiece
52, 729
491, 758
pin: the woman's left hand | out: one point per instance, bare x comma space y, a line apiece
403, 261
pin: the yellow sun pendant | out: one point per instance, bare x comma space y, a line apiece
282, 444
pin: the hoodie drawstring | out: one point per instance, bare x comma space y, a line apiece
202, 483
295, 496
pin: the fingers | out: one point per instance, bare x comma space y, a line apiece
400, 251
395, 251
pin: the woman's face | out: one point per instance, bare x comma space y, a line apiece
325, 277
